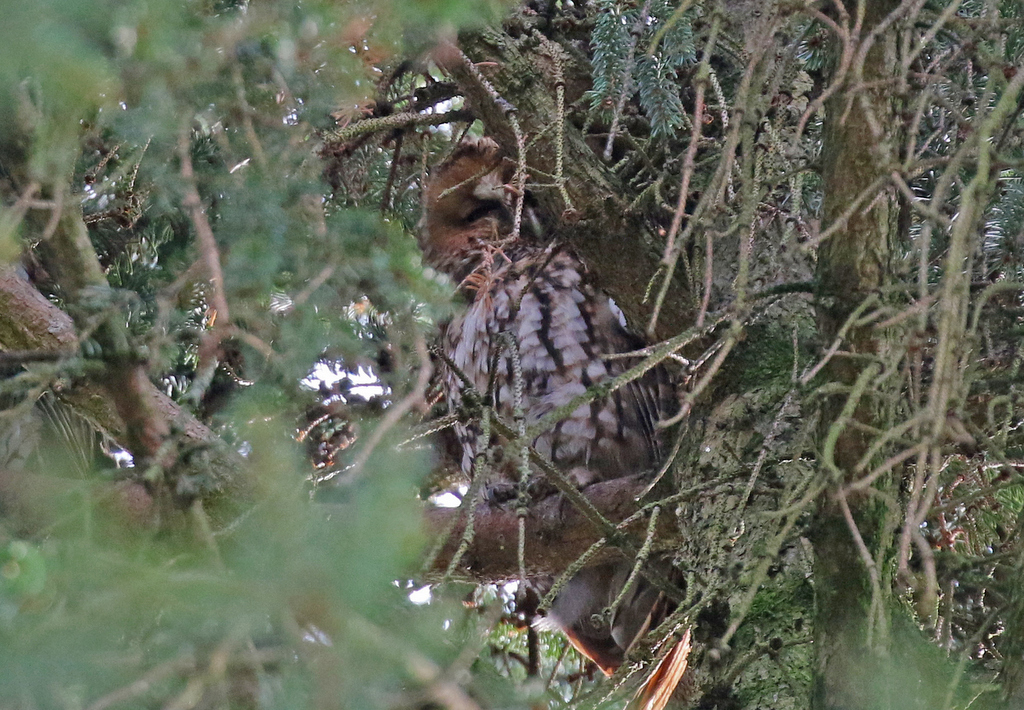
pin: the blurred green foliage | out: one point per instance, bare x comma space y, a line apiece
273, 600
295, 594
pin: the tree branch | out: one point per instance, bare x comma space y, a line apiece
615, 243
556, 532
29, 322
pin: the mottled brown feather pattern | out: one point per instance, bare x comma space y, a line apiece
564, 329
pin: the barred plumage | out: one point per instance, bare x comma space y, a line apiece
563, 329
562, 326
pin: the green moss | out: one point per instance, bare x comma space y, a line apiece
779, 622
765, 358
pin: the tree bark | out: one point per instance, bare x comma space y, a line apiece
849, 631
32, 327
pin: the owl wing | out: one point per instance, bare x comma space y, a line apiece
565, 329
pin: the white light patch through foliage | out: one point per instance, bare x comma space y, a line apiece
421, 596
449, 499
365, 383
122, 458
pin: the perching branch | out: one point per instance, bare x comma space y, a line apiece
557, 532
31, 323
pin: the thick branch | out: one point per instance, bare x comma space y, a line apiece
29, 322
556, 533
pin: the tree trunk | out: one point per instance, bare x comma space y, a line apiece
850, 629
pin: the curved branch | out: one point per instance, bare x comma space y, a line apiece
30, 323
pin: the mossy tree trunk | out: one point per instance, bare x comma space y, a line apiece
850, 629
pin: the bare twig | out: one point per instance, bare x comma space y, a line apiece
398, 410
393, 122
207, 241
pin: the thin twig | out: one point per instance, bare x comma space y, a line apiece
398, 410
396, 121
145, 683
193, 204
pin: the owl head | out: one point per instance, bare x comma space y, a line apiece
467, 205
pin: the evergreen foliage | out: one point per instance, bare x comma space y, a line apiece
211, 436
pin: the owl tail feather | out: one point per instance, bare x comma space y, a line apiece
604, 653
657, 691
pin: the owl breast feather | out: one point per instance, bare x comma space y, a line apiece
562, 328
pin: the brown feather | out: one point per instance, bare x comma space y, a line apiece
659, 687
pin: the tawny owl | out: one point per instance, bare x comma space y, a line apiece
563, 329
